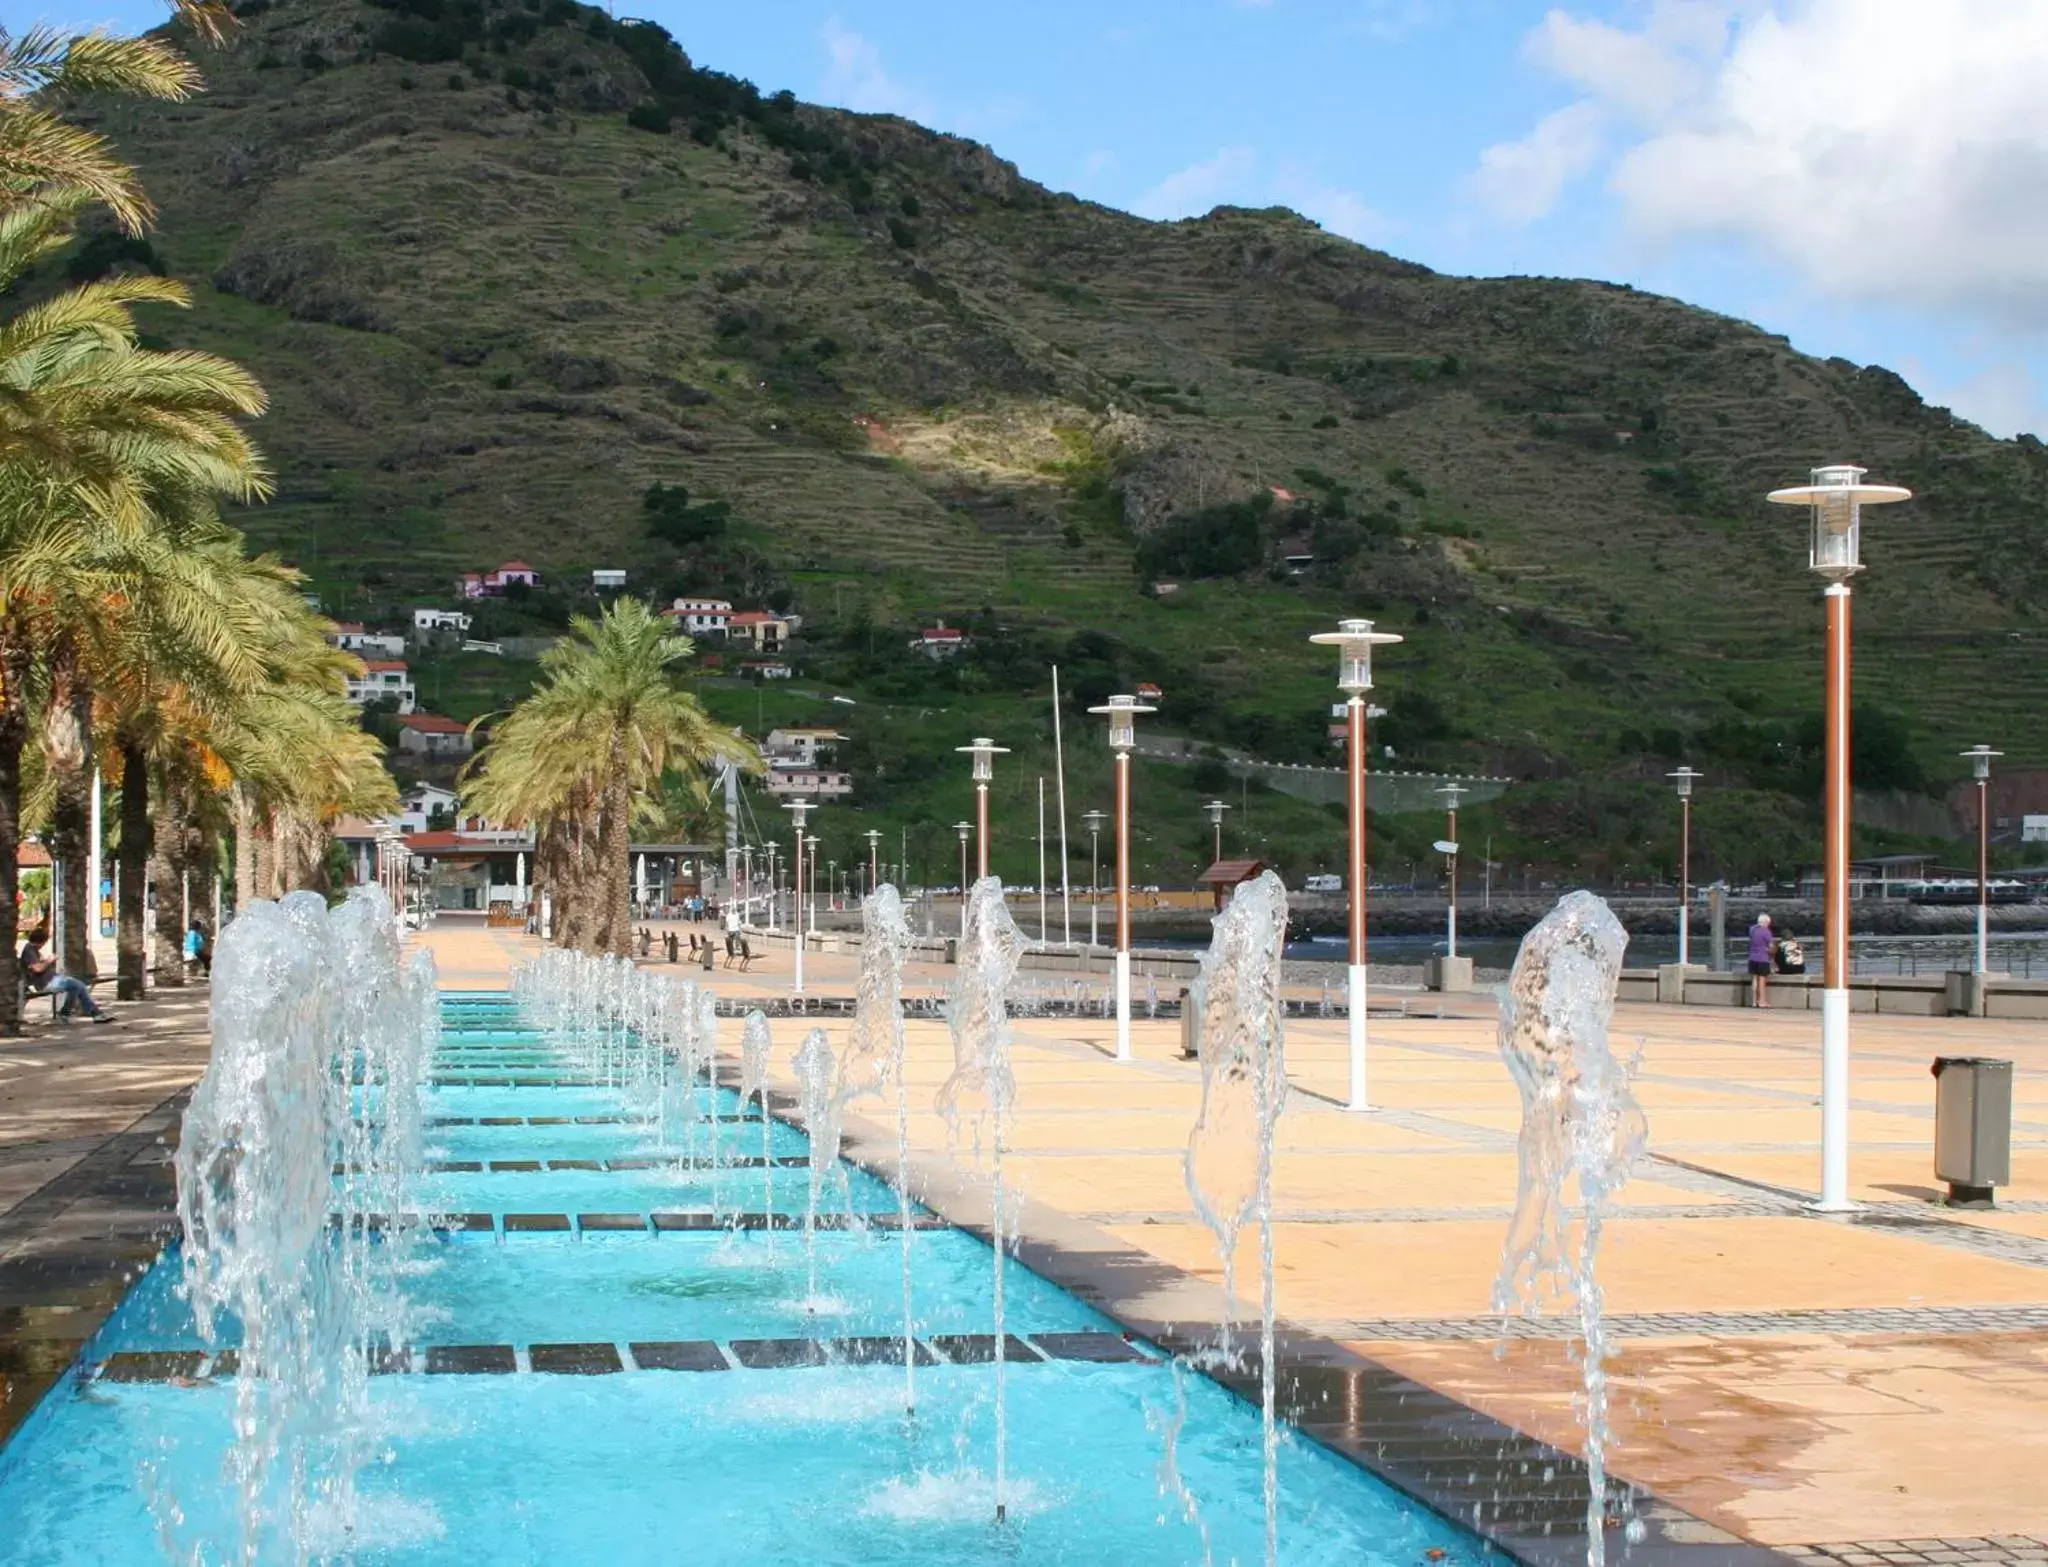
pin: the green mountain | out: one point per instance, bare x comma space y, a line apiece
505, 266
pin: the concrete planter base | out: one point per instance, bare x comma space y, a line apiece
1447, 973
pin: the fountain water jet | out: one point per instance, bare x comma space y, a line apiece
818, 1089
1580, 1123
755, 1048
983, 1084
874, 1061
1229, 1163
319, 1042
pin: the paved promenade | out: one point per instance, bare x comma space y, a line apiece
1827, 1383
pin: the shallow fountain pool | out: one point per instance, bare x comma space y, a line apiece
612, 1391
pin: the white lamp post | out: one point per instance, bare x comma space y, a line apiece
1451, 794
1683, 780
811, 881
1215, 810
774, 890
1123, 714
798, 811
1836, 497
1094, 819
874, 837
984, 751
1980, 758
1354, 641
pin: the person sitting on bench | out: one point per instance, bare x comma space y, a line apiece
39, 973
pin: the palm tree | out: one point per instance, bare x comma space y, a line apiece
582, 756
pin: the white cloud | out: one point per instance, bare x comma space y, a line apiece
1889, 151
856, 79
1200, 186
1239, 176
1340, 211
2003, 396
1519, 181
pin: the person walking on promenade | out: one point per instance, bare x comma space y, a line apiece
1761, 948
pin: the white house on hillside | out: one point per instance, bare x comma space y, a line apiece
382, 678
817, 783
422, 803
351, 637
701, 617
800, 747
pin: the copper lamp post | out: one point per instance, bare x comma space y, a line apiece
984, 751
798, 811
1094, 819
966, 831
1836, 497
1354, 641
1980, 758
1123, 712
1683, 780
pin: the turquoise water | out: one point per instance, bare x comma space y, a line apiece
815, 1465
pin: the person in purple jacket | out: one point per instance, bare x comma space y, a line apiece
1761, 946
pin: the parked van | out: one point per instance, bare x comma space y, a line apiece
1323, 884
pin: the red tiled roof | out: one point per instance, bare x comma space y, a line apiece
433, 724
341, 626
384, 665
1230, 872
753, 617
514, 565
32, 857
944, 634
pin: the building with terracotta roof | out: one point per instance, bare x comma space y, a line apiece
431, 735
767, 633
382, 679
492, 584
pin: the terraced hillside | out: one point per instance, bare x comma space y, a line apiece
495, 299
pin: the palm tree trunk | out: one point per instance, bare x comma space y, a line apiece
13, 736
70, 838
67, 741
245, 852
166, 868
613, 891
136, 845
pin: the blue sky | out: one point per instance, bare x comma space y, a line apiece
1894, 212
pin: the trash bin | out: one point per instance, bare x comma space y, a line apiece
1972, 1127
1190, 1026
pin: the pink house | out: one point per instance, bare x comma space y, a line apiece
491, 584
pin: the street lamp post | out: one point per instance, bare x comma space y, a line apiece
1683, 780
1980, 758
774, 889
747, 885
1123, 714
1835, 497
874, 837
798, 810
1215, 810
1451, 794
966, 831
984, 751
1354, 641
1094, 819
811, 881
832, 882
